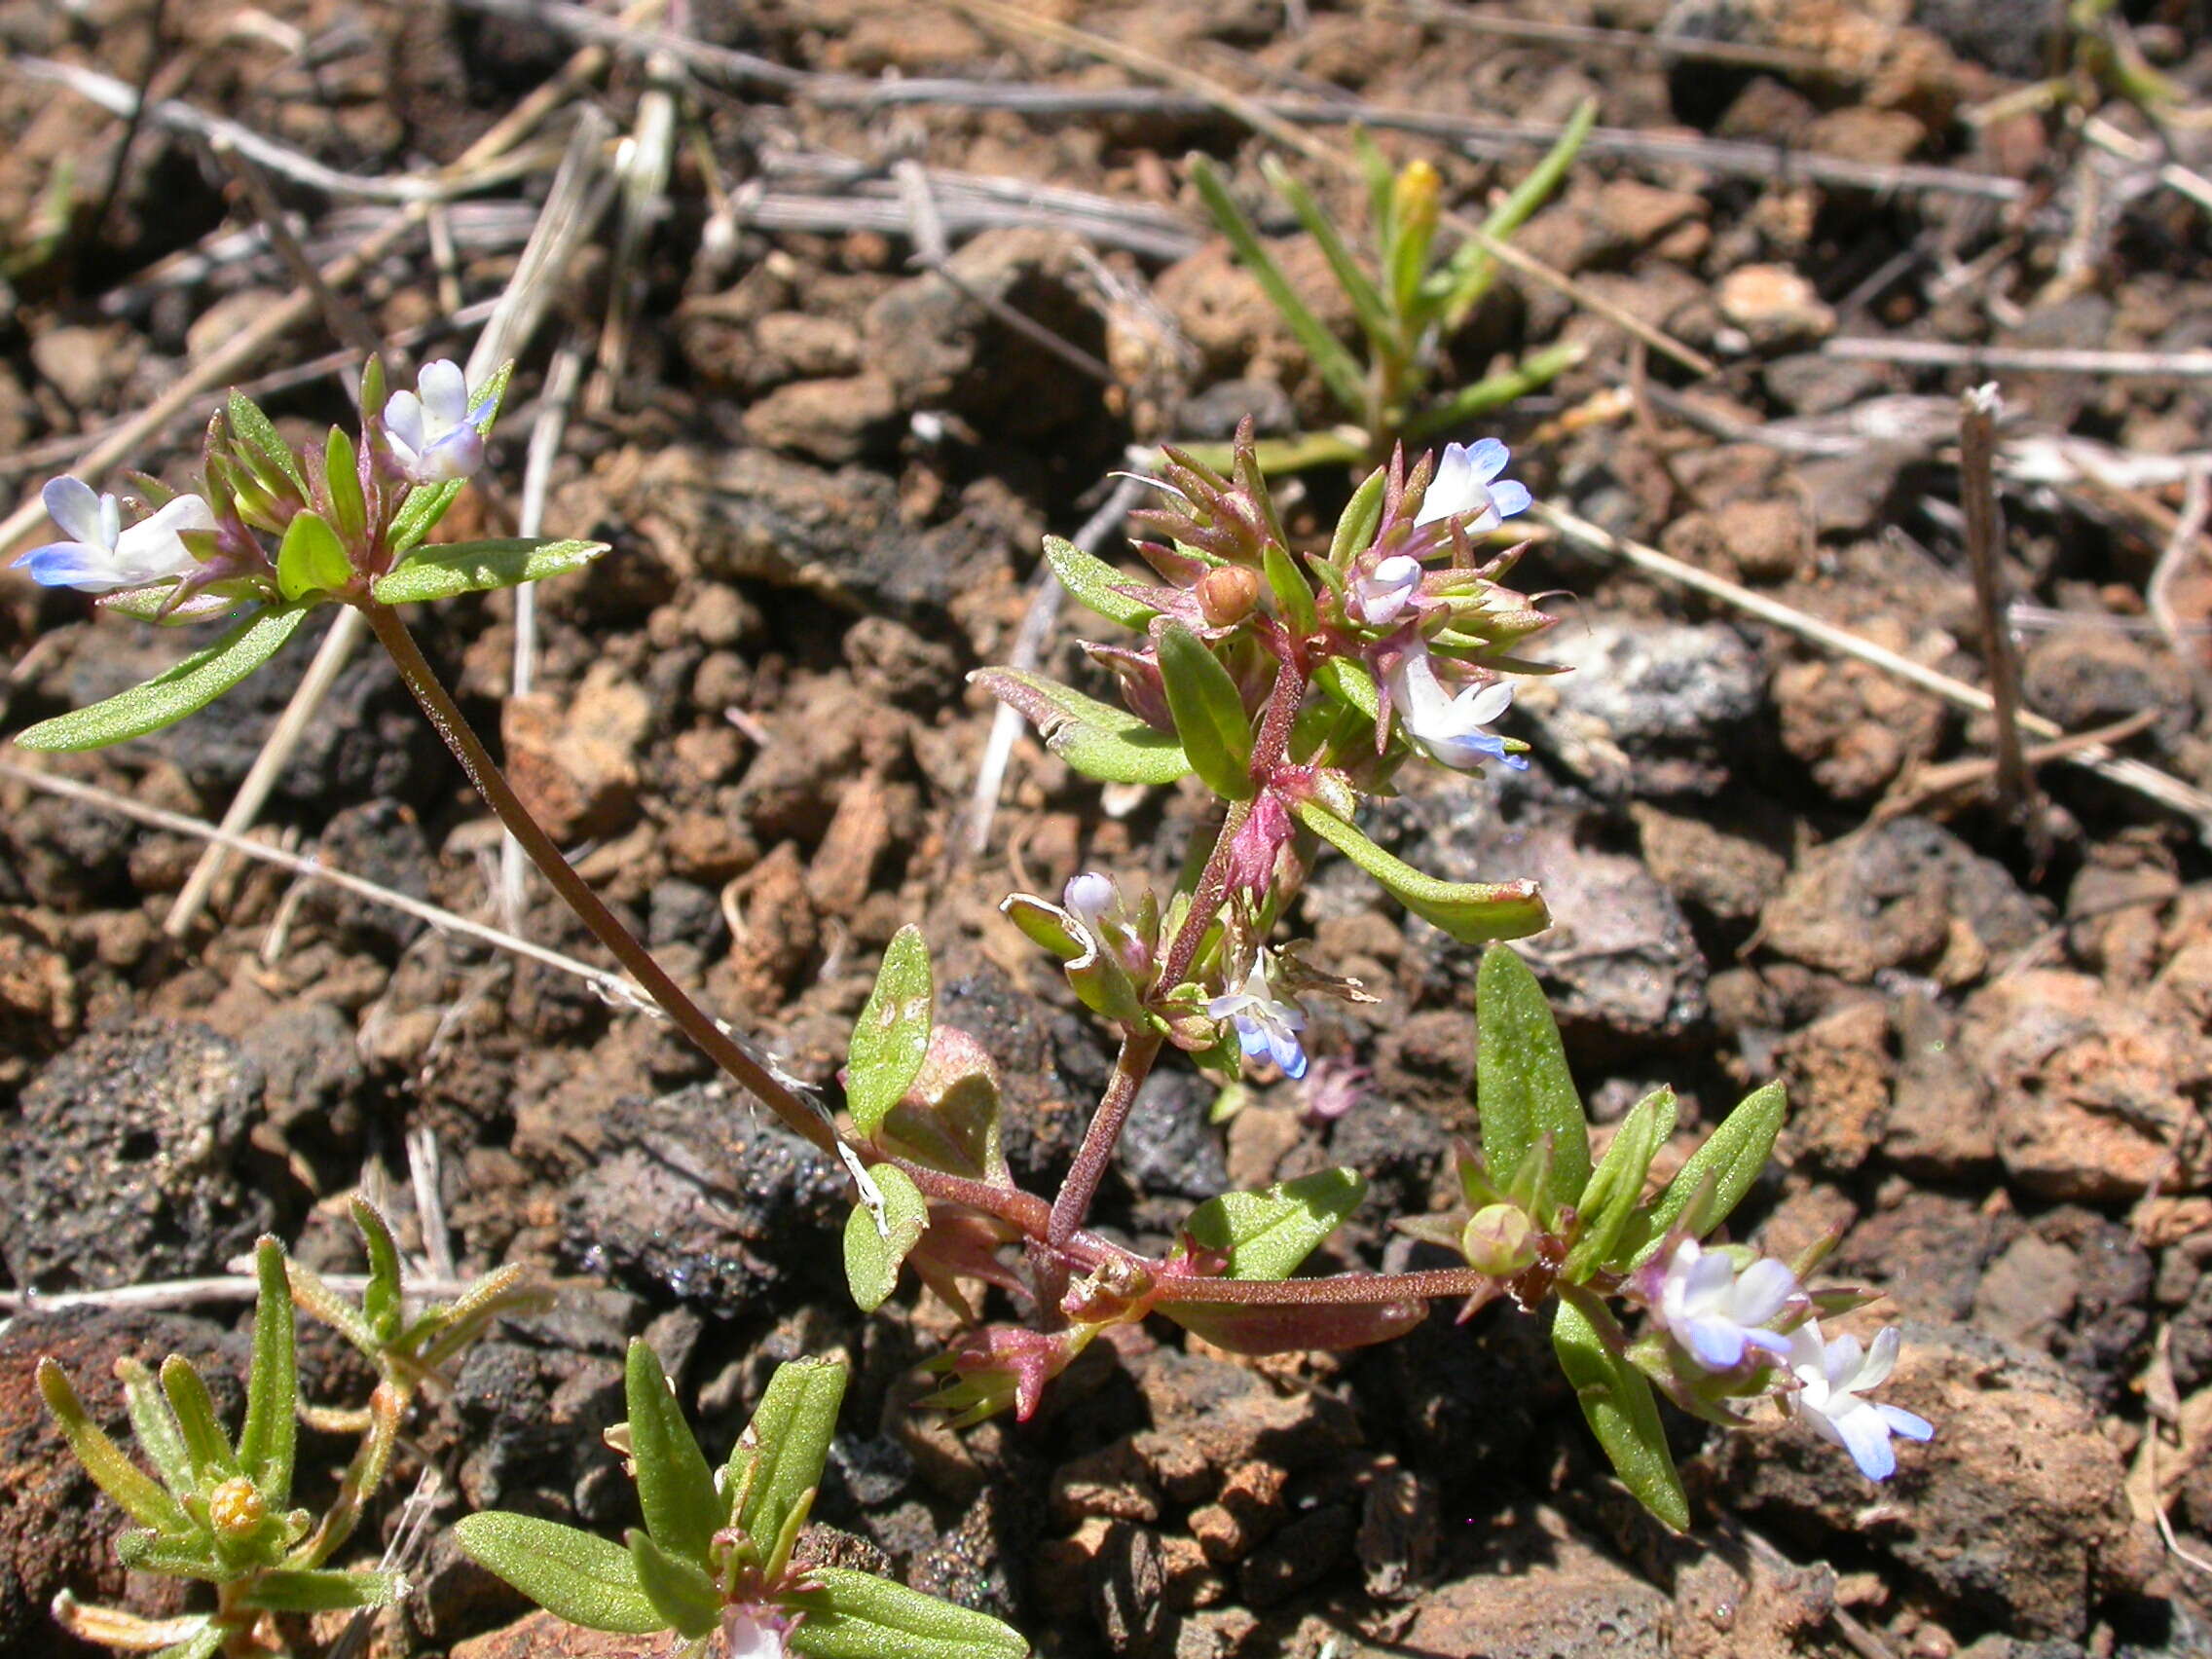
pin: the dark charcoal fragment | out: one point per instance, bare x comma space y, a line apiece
1166, 1145
128, 1160
703, 1197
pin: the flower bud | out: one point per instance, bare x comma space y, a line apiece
1227, 593
1499, 1239
235, 1508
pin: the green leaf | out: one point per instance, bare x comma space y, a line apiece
1096, 739
675, 1489
1471, 912
1536, 370
155, 1427
263, 448
1357, 523
1717, 1175
1523, 1090
426, 504
382, 1299
1617, 1182
1294, 598
1618, 1403
135, 1492
151, 604
1349, 681
1096, 583
776, 1461
950, 1116
855, 1615
201, 1646
574, 1575
1471, 270
1268, 1234
167, 698
872, 1261
472, 566
323, 1590
1359, 288
1210, 714
1336, 365
893, 1032
679, 1589
204, 1442
190, 1555
312, 559
273, 1386
341, 483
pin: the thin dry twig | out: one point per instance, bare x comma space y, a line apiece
2159, 593
341, 315
2021, 359
196, 1292
2145, 780
1978, 413
1675, 48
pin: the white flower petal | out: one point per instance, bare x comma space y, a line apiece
444, 393
72, 503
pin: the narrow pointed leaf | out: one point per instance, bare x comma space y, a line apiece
202, 1645
273, 1388
204, 1442
1096, 583
382, 1298
872, 1261
855, 1615
1357, 523
135, 1492
264, 447
1618, 1404
1210, 714
312, 559
1471, 270
579, 1576
1294, 599
167, 698
675, 1489
153, 1426
1723, 1169
777, 1459
1523, 1090
1096, 739
188, 1555
323, 1590
1267, 1234
1471, 912
151, 604
679, 1589
1539, 369
893, 1032
1617, 1182
1359, 288
474, 566
342, 483
1336, 365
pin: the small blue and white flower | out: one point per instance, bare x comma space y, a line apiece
1832, 1378
1717, 1311
1267, 1028
1464, 486
102, 552
435, 436
1379, 596
1449, 728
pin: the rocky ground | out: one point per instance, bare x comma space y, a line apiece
826, 471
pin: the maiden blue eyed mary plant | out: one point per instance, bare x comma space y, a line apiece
218, 1510
1289, 685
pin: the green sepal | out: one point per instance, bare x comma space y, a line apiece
855, 1615
675, 1489
475, 566
321, 1590
1267, 1234
311, 559
1617, 1401
167, 698
382, 1299
1096, 739
574, 1575
135, 1492
1294, 599
1712, 1181
1349, 681
267, 1441
1210, 714
892, 1035
426, 504
679, 1589
776, 1461
1609, 1200
1357, 523
872, 1260
204, 1442
263, 449
1095, 583
342, 487
1471, 912
1523, 1090
1336, 365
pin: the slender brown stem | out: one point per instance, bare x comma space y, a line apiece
484, 773
1985, 539
1139, 1049
1336, 1290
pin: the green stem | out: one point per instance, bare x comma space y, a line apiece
475, 760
